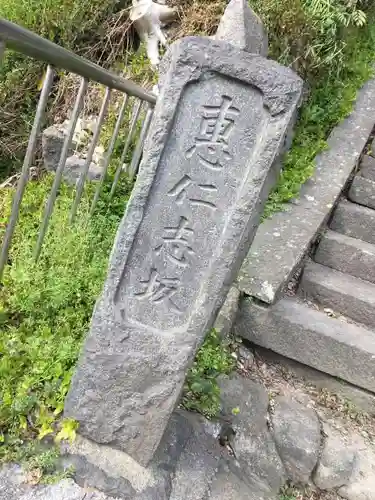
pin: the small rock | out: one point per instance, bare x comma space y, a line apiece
52, 143
362, 482
244, 404
88, 475
74, 167
246, 357
296, 430
336, 462
329, 312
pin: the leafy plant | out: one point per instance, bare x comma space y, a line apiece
46, 307
330, 101
202, 392
311, 35
41, 462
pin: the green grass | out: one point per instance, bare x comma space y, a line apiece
330, 101
45, 308
202, 391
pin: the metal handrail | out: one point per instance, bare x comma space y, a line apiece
20, 39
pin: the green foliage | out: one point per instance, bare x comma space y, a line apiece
80, 25
45, 308
311, 35
202, 392
330, 101
40, 461
68, 430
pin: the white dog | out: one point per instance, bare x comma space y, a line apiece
148, 17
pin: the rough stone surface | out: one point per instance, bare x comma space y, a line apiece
181, 429
227, 315
197, 465
232, 484
281, 242
114, 463
368, 167
311, 337
52, 143
355, 221
253, 444
348, 255
188, 453
340, 292
13, 486
296, 430
74, 167
336, 462
88, 475
188, 225
362, 482
362, 191
241, 27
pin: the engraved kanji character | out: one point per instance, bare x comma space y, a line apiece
216, 126
158, 289
180, 192
176, 242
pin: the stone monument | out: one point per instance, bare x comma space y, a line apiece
218, 126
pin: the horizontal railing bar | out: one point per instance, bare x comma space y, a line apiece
23, 40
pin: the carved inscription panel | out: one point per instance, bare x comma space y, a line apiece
216, 128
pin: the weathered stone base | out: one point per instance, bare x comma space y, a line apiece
274, 436
189, 461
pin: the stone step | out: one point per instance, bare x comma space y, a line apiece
344, 294
348, 255
368, 167
355, 221
295, 330
362, 191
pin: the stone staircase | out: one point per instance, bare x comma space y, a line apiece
329, 324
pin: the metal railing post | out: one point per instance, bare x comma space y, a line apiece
59, 172
109, 152
94, 141
29, 156
139, 147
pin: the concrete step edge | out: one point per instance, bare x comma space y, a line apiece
354, 220
343, 293
309, 336
367, 168
362, 191
347, 255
